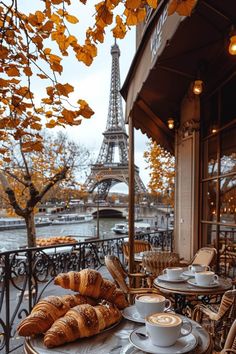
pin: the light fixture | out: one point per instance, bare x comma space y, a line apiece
197, 87
171, 123
232, 45
232, 41
214, 129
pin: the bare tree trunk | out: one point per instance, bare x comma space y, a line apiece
31, 232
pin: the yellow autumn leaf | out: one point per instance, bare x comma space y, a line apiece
132, 4
65, 89
27, 70
40, 16
120, 30
36, 126
68, 115
152, 3
47, 51
85, 110
185, 7
72, 19
131, 17
141, 14
172, 7
42, 76
12, 71
51, 124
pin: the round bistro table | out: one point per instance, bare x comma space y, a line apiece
112, 341
183, 292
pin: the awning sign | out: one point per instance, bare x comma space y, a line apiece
163, 31
156, 38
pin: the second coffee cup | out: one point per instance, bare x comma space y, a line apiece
150, 303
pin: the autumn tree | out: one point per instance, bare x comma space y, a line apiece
162, 172
33, 48
30, 175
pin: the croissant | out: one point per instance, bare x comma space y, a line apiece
89, 282
81, 321
47, 310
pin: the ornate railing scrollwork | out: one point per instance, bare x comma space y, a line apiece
26, 274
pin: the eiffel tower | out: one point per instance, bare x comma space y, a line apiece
105, 173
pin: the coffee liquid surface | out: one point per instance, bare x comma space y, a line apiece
164, 319
151, 298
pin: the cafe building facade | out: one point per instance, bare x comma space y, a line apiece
181, 92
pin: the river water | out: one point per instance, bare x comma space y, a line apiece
13, 239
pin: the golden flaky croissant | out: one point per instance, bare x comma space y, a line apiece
90, 282
47, 310
81, 321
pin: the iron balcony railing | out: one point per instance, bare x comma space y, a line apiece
26, 275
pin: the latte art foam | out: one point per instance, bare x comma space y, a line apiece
164, 319
151, 298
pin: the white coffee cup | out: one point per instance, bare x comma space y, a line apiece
206, 278
150, 303
194, 268
173, 273
164, 329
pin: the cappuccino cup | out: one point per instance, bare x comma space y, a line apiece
206, 278
173, 273
164, 329
194, 268
150, 303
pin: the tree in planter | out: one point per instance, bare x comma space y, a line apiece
29, 175
162, 172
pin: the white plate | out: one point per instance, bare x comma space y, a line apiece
183, 344
213, 285
181, 279
188, 273
131, 313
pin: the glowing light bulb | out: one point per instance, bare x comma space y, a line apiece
232, 45
197, 87
171, 123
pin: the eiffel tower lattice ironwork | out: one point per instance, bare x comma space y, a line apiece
106, 172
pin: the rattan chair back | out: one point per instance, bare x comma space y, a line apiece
155, 262
117, 271
230, 343
139, 246
205, 256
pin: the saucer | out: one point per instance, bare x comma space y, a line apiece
212, 285
182, 345
188, 273
131, 313
182, 278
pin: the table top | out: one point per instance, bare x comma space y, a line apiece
185, 288
112, 341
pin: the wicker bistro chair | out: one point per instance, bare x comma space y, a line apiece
217, 320
230, 344
205, 256
120, 277
139, 246
155, 262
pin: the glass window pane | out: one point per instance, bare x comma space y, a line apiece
210, 115
209, 200
209, 234
210, 157
228, 200
228, 99
228, 151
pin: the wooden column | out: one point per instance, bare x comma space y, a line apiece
131, 195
